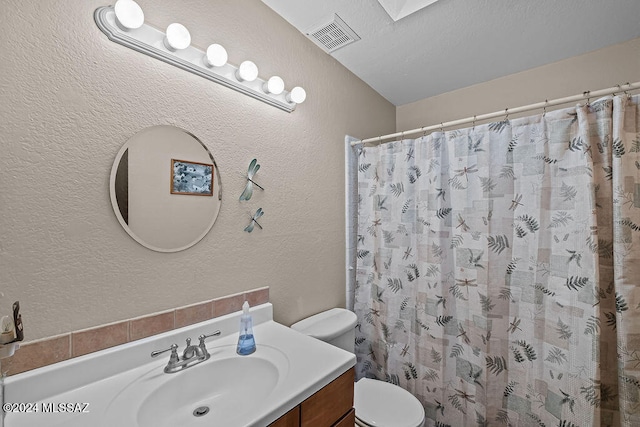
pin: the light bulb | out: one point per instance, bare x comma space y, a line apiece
247, 71
216, 56
274, 85
177, 37
297, 95
129, 15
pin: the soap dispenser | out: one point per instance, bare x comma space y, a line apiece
246, 341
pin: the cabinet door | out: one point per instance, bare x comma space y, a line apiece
290, 419
348, 420
330, 404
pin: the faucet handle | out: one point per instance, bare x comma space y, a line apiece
204, 337
212, 334
174, 353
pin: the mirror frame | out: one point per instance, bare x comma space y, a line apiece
116, 208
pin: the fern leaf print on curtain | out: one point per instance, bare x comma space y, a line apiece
498, 269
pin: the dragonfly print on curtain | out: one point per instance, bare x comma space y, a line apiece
498, 269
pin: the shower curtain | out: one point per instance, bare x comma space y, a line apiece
498, 269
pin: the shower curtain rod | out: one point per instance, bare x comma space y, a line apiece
585, 95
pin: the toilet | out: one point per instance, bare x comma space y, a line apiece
377, 403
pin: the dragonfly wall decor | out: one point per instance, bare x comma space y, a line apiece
248, 189
254, 218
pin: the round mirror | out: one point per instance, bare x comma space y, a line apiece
165, 188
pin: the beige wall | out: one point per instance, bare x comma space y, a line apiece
600, 69
71, 98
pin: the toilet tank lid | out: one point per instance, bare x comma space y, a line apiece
327, 325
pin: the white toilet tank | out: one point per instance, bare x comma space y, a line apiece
335, 326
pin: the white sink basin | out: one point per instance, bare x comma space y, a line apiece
205, 394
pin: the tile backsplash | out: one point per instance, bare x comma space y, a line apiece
35, 354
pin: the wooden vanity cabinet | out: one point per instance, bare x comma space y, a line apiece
332, 406
290, 419
348, 420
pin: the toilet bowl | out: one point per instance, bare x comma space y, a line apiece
377, 403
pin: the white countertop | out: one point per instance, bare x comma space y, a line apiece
99, 378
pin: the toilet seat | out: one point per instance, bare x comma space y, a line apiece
381, 404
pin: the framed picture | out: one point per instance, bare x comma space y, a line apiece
191, 178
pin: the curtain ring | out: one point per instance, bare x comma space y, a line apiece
586, 95
441, 127
544, 109
474, 122
626, 91
506, 112
402, 136
619, 87
424, 132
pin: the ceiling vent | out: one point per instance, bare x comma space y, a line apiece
333, 35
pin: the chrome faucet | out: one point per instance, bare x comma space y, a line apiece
191, 356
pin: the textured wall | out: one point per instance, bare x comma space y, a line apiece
599, 69
70, 98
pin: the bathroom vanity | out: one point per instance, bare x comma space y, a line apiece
291, 380
331, 406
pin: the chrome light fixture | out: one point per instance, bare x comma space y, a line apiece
124, 24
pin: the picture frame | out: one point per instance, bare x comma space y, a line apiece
191, 178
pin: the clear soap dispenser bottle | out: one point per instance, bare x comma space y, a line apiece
246, 341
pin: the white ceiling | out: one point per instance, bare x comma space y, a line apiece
398, 9
452, 44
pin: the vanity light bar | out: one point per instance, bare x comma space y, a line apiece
174, 48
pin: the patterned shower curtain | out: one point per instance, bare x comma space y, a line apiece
498, 269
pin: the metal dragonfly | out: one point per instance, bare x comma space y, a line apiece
248, 189
254, 218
